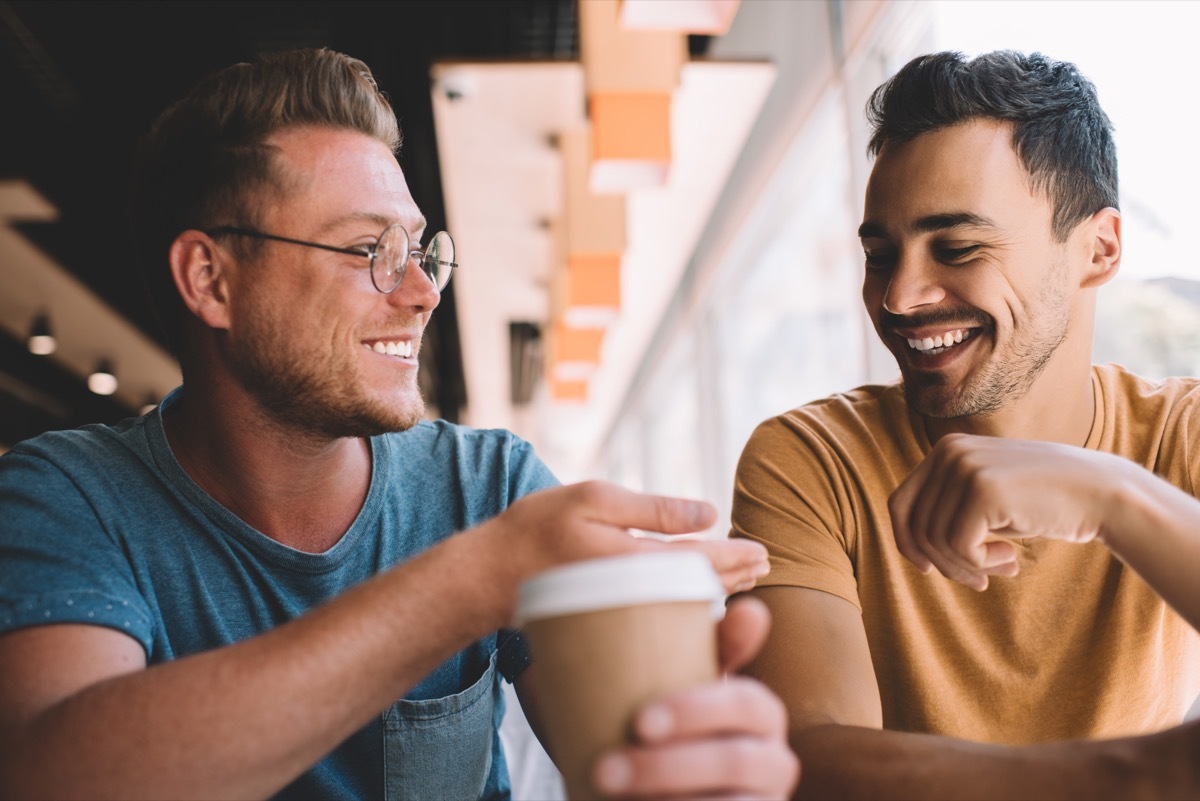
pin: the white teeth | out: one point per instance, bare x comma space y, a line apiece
939, 343
402, 349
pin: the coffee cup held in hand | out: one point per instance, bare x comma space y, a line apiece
609, 635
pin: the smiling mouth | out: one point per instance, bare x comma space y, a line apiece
401, 348
932, 346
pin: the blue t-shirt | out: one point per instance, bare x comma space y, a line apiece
101, 525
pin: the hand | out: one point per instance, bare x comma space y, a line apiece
594, 519
957, 510
723, 740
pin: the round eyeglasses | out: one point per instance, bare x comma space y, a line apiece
389, 255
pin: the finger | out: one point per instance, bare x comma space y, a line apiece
949, 563
951, 532
742, 632
736, 705
957, 537
1001, 559
739, 563
615, 506
900, 505
948, 524
733, 767
973, 553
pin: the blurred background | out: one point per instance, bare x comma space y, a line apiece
654, 201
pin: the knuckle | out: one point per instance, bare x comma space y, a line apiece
750, 694
666, 511
592, 492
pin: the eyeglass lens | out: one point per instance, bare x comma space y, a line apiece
438, 259
394, 250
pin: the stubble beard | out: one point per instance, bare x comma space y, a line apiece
320, 399
1008, 375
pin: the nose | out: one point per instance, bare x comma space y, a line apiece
913, 283
416, 290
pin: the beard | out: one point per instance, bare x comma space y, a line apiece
1010, 373
322, 398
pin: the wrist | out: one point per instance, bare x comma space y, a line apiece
1125, 504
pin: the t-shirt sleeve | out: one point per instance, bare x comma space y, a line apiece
789, 494
527, 472
58, 563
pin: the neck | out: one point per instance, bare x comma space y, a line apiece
1059, 407
299, 489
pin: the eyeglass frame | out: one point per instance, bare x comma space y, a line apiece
367, 251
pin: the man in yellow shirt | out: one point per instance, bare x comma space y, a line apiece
982, 577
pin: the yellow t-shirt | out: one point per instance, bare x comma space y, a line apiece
1077, 645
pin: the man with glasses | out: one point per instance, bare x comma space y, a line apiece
285, 581
983, 577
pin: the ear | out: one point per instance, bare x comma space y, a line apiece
197, 266
1104, 247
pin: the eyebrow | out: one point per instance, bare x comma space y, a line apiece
931, 224
377, 219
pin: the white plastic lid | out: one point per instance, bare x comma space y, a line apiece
618, 581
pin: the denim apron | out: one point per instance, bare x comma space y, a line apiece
441, 748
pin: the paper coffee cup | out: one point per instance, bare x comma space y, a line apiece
607, 636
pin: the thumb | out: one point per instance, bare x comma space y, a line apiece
742, 632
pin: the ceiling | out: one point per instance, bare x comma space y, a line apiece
81, 81
504, 133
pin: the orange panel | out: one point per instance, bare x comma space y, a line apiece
568, 390
594, 279
577, 344
631, 126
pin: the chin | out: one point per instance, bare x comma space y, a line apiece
364, 417
397, 417
942, 402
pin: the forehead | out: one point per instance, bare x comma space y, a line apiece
966, 169
333, 174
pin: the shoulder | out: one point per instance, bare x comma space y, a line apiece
1149, 421
82, 448
869, 403
870, 416
1128, 390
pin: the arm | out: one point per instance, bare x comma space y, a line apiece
817, 660
82, 716
955, 511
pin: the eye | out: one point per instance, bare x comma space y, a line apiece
879, 260
365, 248
956, 255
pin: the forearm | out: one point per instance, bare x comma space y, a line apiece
843, 762
245, 720
1154, 528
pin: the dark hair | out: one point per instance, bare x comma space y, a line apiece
204, 162
1060, 133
